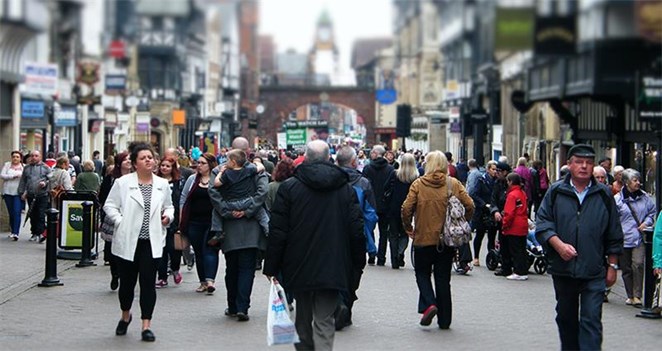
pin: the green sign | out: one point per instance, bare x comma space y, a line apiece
514, 29
71, 226
296, 136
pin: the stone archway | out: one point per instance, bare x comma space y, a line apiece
280, 101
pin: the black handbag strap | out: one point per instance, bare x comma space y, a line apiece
634, 215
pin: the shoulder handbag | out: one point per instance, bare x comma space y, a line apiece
456, 231
59, 188
180, 241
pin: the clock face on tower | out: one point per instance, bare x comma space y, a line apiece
324, 34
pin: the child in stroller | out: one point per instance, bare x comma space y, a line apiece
535, 252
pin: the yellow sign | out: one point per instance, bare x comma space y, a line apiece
178, 117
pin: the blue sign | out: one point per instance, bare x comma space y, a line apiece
66, 117
386, 96
32, 109
115, 82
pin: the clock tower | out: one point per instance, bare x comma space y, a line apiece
324, 53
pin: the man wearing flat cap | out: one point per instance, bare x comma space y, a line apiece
579, 226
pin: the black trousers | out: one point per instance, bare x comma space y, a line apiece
428, 261
143, 269
513, 254
383, 238
38, 207
481, 230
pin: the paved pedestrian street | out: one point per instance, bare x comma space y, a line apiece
489, 312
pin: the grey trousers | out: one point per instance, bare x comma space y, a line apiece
632, 265
314, 319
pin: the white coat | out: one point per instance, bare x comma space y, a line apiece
125, 207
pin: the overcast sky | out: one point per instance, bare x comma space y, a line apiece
292, 22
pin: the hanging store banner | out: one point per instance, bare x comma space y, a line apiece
178, 117
66, 116
513, 28
386, 96
649, 101
40, 78
555, 36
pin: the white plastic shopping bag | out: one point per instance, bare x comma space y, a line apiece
280, 329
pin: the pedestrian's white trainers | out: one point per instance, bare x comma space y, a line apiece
34, 237
517, 277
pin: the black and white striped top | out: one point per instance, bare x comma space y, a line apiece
146, 190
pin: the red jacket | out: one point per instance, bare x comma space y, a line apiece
515, 217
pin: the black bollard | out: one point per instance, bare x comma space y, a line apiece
50, 278
85, 258
649, 278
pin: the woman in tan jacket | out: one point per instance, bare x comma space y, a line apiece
426, 202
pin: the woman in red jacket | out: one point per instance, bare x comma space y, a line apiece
514, 229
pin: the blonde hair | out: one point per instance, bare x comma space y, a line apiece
61, 162
88, 166
436, 161
407, 172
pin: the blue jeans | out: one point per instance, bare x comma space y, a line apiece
14, 207
579, 312
206, 263
239, 276
428, 260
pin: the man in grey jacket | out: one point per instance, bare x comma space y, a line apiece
33, 187
243, 237
579, 225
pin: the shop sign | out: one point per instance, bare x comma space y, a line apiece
452, 90
32, 109
513, 28
88, 73
386, 96
456, 127
649, 101
555, 36
648, 16
117, 49
66, 117
115, 82
306, 124
296, 136
40, 78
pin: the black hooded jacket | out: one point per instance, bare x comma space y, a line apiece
316, 230
378, 172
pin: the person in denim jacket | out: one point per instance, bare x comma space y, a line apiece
637, 213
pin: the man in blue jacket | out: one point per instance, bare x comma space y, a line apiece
579, 225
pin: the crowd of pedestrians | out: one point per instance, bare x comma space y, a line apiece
311, 216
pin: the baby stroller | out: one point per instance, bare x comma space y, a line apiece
536, 255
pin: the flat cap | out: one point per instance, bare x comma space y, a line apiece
581, 150
503, 166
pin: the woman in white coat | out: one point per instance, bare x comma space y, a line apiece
140, 206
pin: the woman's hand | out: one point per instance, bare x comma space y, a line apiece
657, 272
410, 233
165, 220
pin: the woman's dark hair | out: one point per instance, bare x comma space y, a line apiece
283, 170
537, 164
16, 152
117, 169
514, 178
175, 168
134, 149
211, 160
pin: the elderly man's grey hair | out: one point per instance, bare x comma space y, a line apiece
345, 156
379, 150
316, 151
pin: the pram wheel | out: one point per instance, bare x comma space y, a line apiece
493, 259
540, 265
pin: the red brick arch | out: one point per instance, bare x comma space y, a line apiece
280, 101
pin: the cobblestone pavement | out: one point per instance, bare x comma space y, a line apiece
489, 312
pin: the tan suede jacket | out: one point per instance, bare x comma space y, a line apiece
427, 201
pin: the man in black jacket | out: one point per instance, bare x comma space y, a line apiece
498, 204
378, 172
579, 225
316, 239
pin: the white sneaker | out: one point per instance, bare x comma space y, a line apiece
517, 277
34, 237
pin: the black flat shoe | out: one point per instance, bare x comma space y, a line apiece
122, 326
114, 283
147, 335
